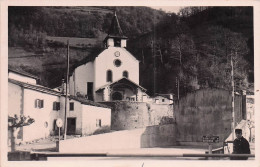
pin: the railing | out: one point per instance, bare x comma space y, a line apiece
44, 156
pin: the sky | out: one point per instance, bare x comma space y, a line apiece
174, 9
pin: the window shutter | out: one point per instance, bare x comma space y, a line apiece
58, 106
72, 106
36, 103
42, 103
54, 105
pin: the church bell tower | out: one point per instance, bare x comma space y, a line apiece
115, 37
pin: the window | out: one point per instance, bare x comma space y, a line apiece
162, 100
90, 91
56, 106
117, 63
98, 122
71, 106
117, 42
109, 76
39, 103
125, 74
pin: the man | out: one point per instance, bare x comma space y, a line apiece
240, 146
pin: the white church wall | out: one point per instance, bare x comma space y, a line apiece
123, 43
110, 42
83, 75
105, 61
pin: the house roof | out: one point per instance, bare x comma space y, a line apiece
167, 96
83, 100
120, 81
35, 87
22, 73
53, 92
115, 30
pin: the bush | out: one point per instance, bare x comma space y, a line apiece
103, 129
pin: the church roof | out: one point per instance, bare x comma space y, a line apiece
115, 30
122, 80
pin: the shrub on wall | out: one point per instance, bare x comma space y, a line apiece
103, 129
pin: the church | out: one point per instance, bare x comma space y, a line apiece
111, 75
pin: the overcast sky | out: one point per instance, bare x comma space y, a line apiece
174, 9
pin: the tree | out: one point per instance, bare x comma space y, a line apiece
14, 124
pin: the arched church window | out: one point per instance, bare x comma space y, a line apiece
125, 74
109, 76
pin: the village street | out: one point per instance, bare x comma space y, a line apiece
49, 146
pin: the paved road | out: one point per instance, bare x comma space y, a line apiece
50, 145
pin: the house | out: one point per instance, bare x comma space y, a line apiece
46, 105
111, 75
162, 99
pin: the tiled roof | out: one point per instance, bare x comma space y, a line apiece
53, 92
88, 102
35, 87
22, 73
121, 80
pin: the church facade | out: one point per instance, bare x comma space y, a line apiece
111, 75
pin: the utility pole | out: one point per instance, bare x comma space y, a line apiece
233, 99
66, 98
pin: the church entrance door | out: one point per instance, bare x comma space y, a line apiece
117, 96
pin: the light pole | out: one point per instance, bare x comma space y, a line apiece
233, 99
66, 97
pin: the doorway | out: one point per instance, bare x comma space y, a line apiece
71, 126
90, 90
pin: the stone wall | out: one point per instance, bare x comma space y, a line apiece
205, 112
132, 115
158, 136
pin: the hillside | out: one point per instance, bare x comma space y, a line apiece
38, 35
195, 50
189, 51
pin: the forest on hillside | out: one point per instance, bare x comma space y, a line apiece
177, 52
